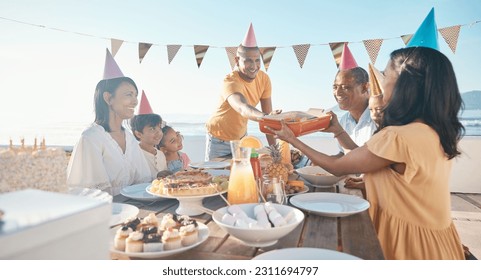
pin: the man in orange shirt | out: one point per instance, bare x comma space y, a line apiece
244, 89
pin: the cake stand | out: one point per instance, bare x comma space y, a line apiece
188, 205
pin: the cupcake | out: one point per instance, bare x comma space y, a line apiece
134, 243
168, 221
149, 221
132, 223
189, 234
153, 243
171, 239
120, 237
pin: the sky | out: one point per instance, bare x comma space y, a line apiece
48, 74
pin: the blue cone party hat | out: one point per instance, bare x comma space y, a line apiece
427, 34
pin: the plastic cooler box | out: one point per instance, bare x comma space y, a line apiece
46, 225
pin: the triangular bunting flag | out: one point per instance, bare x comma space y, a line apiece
143, 49
267, 53
172, 51
301, 52
373, 46
231, 53
116, 43
450, 35
336, 49
406, 38
200, 51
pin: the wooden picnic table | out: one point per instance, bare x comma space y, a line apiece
354, 235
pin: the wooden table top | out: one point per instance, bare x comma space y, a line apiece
354, 234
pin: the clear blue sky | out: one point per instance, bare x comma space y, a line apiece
50, 76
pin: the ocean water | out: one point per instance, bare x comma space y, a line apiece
63, 133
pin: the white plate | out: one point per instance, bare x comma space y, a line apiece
92, 193
210, 164
203, 235
138, 192
330, 204
304, 254
122, 212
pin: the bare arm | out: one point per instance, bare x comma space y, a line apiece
266, 106
340, 134
354, 162
239, 103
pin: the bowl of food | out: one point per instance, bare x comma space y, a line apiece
318, 176
258, 224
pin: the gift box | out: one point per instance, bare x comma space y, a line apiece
301, 123
46, 225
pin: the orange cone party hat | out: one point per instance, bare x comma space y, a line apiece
144, 107
375, 78
347, 60
250, 38
111, 69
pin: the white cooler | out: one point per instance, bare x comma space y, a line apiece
46, 225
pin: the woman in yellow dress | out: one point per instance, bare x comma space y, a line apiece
410, 157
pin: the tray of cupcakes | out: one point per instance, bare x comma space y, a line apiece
153, 237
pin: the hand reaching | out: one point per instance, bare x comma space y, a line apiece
285, 133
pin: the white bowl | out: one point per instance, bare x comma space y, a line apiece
260, 237
318, 176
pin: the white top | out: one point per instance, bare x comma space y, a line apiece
98, 162
156, 162
361, 131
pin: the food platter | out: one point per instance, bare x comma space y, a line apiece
330, 204
210, 164
191, 205
304, 190
203, 235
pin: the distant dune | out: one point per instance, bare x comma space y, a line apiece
472, 100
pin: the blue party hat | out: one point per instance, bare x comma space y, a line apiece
427, 34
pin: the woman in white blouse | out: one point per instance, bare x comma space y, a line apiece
107, 156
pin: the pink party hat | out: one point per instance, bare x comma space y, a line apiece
144, 107
250, 38
111, 69
347, 60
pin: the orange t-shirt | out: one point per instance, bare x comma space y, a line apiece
226, 123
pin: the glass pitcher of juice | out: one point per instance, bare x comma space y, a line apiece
242, 185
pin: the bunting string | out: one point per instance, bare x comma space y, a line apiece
373, 46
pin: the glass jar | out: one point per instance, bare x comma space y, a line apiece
242, 184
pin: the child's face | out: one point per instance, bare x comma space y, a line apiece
151, 135
375, 106
173, 141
